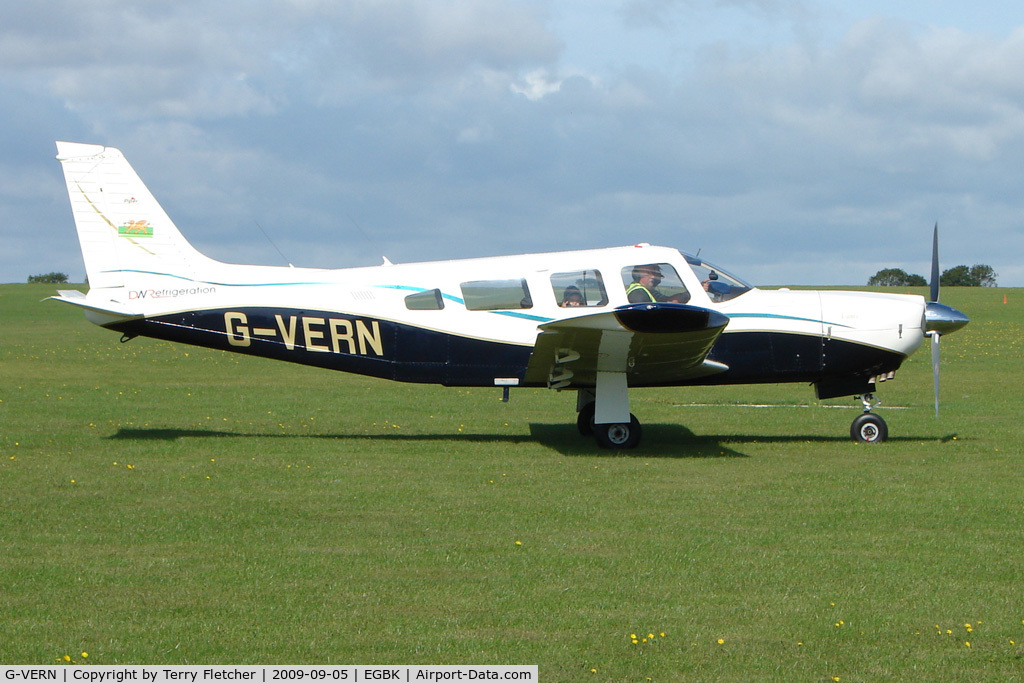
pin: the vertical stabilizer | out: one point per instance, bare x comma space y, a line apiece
126, 238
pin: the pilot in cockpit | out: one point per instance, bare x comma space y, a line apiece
644, 288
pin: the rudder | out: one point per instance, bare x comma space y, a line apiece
126, 237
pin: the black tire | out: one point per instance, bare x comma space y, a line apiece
618, 436
869, 428
585, 420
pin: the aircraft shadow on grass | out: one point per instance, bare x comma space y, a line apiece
662, 440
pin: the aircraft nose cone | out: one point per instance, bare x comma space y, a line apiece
943, 319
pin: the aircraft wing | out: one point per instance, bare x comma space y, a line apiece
652, 343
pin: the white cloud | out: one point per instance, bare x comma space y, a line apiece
200, 60
536, 84
476, 134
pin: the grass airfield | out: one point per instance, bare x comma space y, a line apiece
165, 504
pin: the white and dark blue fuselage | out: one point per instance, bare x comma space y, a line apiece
373, 321
598, 321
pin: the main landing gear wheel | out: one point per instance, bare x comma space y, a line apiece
585, 420
618, 435
869, 428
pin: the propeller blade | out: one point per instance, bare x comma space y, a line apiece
934, 293
935, 368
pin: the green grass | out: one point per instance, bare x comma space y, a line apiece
164, 504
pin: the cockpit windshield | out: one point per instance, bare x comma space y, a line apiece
720, 285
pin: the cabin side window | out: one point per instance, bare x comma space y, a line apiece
579, 288
654, 282
429, 300
496, 295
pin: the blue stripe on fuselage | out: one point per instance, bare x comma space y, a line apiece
776, 316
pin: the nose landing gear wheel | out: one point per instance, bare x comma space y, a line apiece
618, 435
869, 428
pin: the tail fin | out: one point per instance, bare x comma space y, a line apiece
126, 238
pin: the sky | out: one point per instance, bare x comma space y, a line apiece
804, 142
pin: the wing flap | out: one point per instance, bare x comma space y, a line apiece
656, 343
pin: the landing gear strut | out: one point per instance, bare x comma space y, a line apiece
868, 427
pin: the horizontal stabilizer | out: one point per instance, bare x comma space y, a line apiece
102, 312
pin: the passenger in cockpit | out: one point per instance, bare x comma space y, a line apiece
572, 297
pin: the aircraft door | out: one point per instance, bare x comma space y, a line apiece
791, 341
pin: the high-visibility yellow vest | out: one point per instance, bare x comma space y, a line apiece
637, 286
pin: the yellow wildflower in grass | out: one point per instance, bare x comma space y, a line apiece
519, 542
85, 655
721, 641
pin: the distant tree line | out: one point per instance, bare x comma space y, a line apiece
896, 277
51, 278
978, 275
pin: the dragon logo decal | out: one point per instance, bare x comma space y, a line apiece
135, 229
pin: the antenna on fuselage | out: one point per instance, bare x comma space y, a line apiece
283, 257
366, 237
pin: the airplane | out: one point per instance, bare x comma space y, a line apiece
598, 322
